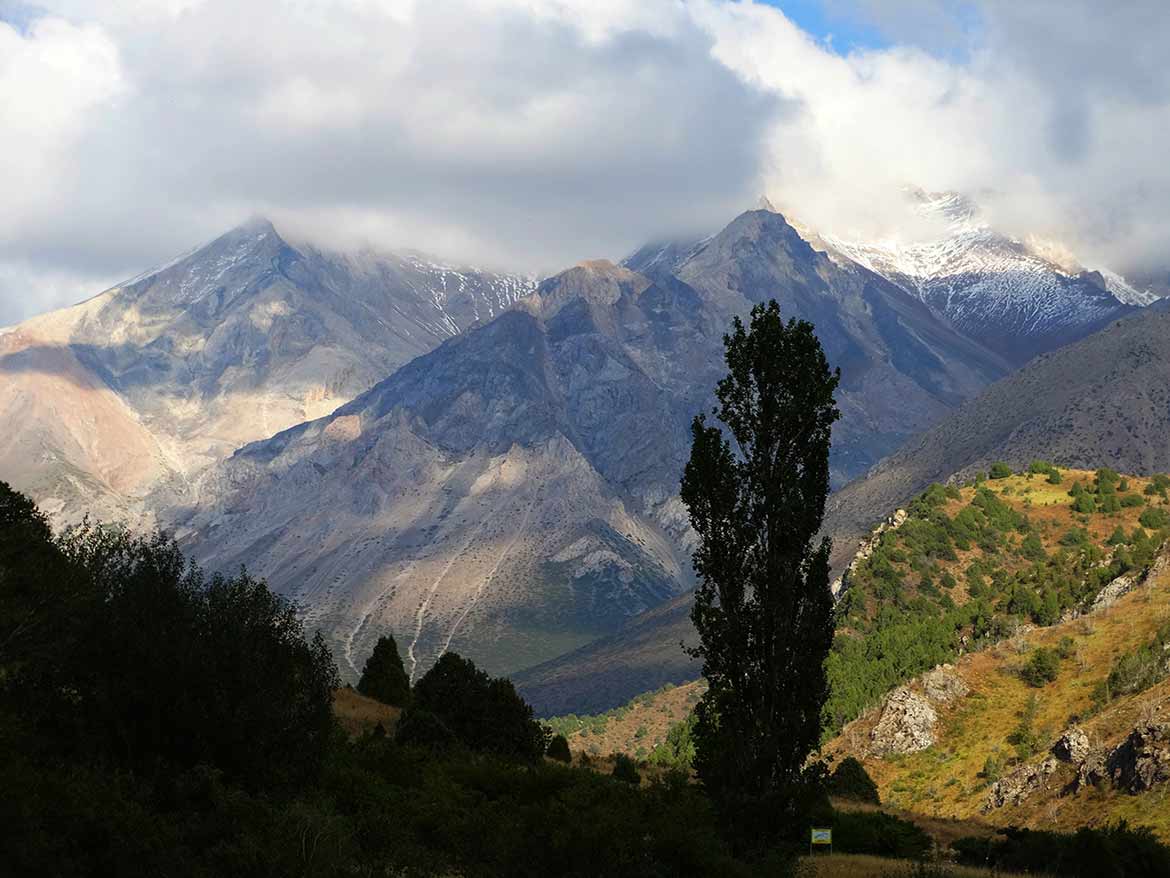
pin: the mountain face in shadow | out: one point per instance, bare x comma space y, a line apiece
233, 342
1104, 401
513, 494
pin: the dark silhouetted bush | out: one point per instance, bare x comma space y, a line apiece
624, 769
383, 677
484, 713
558, 749
850, 780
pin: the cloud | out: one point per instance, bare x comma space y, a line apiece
533, 133
1052, 112
505, 132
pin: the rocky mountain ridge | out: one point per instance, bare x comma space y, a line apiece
227, 344
513, 495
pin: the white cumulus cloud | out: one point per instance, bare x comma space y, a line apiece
533, 133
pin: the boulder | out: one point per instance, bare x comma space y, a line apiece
944, 684
906, 724
1072, 746
1020, 784
1142, 760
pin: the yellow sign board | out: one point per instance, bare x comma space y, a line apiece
821, 836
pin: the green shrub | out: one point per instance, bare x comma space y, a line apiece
1032, 549
484, 713
1042, 668
383, 677
420, 728
879, 834
1000, 470
1024, 737
1113, 851
678, 750
1155, 518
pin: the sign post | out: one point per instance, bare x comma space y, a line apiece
820, 836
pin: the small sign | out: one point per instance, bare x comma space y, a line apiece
822, 836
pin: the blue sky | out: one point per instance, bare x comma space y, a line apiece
832, 22
944, 28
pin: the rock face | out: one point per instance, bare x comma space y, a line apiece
906, 724
1072, 746
124, 400
865, 550
513, 494
1020, 784
1122, 585
942, 685
1142, 761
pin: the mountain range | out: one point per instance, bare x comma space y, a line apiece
119, 403
512, 495
480, 463
1103, 401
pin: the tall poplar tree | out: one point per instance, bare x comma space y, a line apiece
762, 608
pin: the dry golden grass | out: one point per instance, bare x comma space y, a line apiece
943, 781
653, 715
359, 715
864, 866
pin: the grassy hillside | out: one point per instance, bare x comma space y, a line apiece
1048, 660
359, 715
1101, 401
999, 576
970, 566
636, 728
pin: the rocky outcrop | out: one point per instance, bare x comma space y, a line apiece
1126, 583
906, 725
942, 685
865, 550
1142, 760
1138, 763
1020, 784
1073, 746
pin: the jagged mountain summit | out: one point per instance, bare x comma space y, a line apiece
1018, 298
508, 495
513, 494
137, 390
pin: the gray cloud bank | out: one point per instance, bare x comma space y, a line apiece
533, 133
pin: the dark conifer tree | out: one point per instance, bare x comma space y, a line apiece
762, 609
383, 677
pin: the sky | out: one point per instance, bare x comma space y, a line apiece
531, 134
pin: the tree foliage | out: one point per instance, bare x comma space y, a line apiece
155, 667
383, 676
481, 712
762, 609
558, 749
